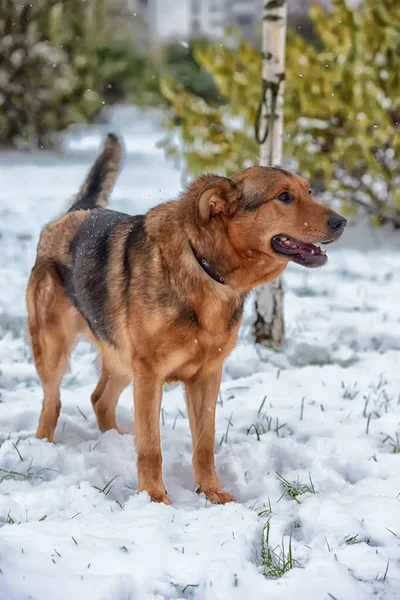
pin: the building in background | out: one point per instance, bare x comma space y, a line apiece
181, 20
184, 19
210, 17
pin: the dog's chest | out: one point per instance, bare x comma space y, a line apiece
178, 342
206, 347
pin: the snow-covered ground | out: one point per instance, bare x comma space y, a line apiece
324, 415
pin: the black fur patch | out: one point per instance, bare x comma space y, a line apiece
88, 202
88, 287
136, 239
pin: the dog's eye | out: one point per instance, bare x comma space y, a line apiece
285, 197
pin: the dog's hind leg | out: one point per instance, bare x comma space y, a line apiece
52, 327
105, 397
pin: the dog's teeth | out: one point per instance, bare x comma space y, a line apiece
312, 251
323, 252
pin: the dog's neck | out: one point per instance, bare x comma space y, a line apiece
205, 265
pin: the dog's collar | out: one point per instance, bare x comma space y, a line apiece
206, 267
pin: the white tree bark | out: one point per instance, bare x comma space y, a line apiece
268, 325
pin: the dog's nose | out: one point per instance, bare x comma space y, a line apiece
336, 223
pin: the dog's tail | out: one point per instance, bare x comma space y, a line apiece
98, 184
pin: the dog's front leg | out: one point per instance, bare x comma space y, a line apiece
148, 394
201, 396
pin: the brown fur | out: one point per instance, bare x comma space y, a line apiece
139, 293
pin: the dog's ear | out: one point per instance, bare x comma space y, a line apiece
219, 197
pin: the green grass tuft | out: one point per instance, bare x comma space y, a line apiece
392, 441
350, 540
275, 561
107, 488
295, 489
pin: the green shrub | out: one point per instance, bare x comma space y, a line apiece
126, 73
180, 62
43, 86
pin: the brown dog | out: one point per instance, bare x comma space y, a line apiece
161, 295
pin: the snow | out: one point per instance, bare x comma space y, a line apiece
72, 522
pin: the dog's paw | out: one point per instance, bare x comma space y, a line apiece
44, 433
163, 499
156, 495
108, 427
219, 497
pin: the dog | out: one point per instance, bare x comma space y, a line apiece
161, 295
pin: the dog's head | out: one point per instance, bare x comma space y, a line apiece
270, 211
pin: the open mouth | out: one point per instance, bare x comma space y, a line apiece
304, 254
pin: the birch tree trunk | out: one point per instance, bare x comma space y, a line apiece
268, 325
